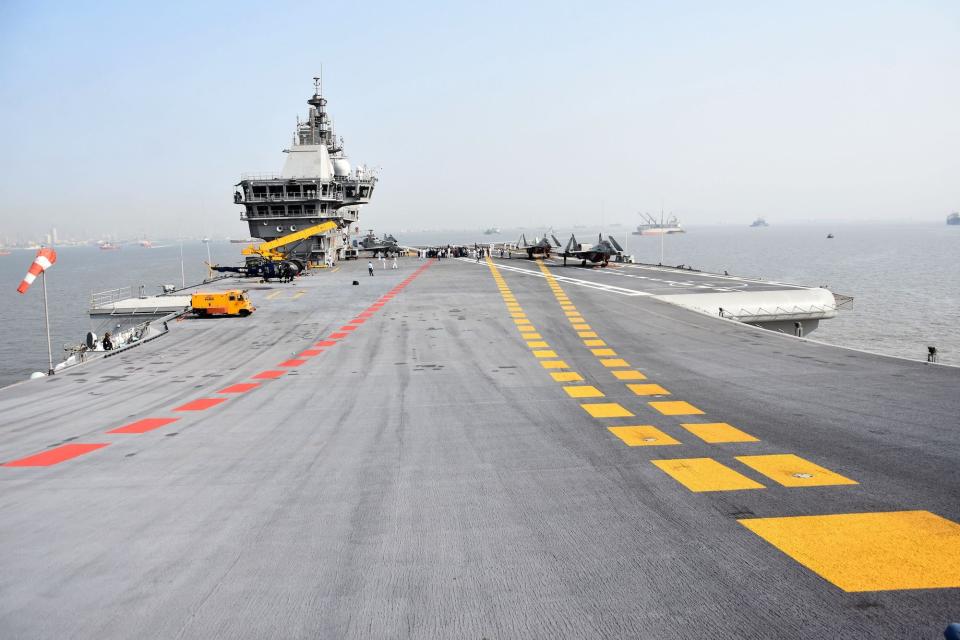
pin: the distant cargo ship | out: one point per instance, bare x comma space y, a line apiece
108, 246
953, 219
491, 231
650, 227
759, 222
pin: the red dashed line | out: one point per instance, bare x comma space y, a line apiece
242, 387
326, 343
201, 404
309, 353
142, 426
292, 363
348, 327
268, 375
338, 335
55, 455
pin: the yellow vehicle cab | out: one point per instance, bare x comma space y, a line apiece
222, 303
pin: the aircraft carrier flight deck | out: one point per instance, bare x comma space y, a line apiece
493, 449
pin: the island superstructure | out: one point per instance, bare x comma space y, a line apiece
316, 184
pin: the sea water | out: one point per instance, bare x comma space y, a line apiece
905, 280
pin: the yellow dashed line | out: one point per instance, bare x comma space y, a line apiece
717, 432
566, 376
603, 352
628, 375
554, 364
586, 334
607, 410
642, 436
536, 344
705, 474
614, 362
676, 408
594, 343
583, 391
582, 327
530, 336
274, 295
793, 471
545, 353
648, 390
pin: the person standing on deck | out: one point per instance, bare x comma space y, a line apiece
370, 267
394, 262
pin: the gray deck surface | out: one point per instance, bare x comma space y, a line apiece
426, 477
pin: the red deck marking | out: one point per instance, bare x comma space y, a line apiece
243, 387
142, 426
200, 405
326, 343
268, 375
292, 363
55, 455
358, 320
337, 336
309, 353
347, 327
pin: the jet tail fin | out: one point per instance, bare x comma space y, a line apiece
616, 245
572, 244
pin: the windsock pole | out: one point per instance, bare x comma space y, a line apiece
46, 316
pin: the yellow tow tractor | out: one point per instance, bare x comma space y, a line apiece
222, 303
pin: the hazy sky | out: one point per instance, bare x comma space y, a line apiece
140, 119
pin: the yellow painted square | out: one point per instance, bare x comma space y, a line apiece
583, 391
571, 314
705, 474
531, 336
566, 376
607, 410
642, 436
536, 344
614, 362
554, 364
676, 408
648, 390
603, 352
718, 432
628, 375
545, 353
568, 307
586, 334
594, 343
520, 321
517, 314
882, 551
525, 327
582, 327
793, 471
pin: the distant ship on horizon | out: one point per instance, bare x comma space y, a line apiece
650, 226
953, 219
759, 222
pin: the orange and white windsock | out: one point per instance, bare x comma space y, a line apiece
44, 260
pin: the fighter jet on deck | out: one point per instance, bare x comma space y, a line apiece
599, 253
540, 248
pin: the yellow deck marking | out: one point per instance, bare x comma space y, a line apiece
628, 375
536, 344
717, 432
870, 551
554, 364
793, 471
567, 376
583, 391
335, 269
274, 295
572, 314
545, 353
517, 314
642, 436
705, 474
568, 307
586, 334
582, 327
648, 390
519, 321
614, 362
603, 352
530, 336
676, 408
607, 410
594, 343
299, 294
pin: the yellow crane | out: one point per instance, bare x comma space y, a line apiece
270, 250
